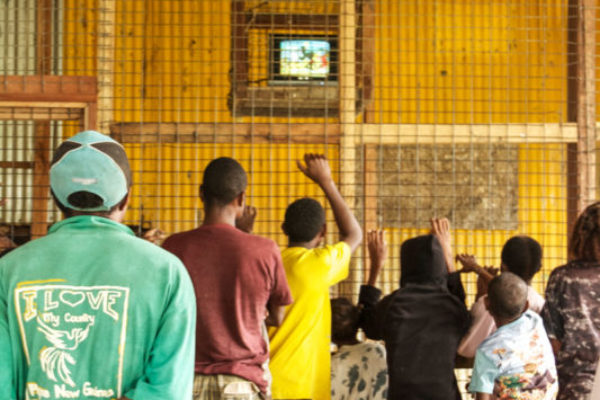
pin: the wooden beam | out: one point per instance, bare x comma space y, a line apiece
366, 57
52, 88
225, 133
463, 133
370, 188
41, 147
385, 134
239, 52
40, 113
106, 67
586, 115
43, 43
318, 22
347, 117
582, 107
572, 104
17, 164
41, 179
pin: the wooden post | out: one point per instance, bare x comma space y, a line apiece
347, 115
370, 193
41, 155
106, 68
370, 187
239, 53
581, 162
366, 45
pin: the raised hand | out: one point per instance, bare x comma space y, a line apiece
469, 262
315, 167
440, 228
155, 236
377, 247
245, 222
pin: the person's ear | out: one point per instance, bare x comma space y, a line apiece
321, 235
201, 193
240, 200
125, 202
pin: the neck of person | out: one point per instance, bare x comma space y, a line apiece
311, 244
214, 215
505, 321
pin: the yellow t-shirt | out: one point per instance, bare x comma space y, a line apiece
300, 358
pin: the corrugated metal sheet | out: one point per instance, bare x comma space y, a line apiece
17, 37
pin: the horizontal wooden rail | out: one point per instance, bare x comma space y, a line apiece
388, 134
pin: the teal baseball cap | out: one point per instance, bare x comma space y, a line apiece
90, 163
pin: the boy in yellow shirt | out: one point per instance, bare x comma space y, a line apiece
300, 358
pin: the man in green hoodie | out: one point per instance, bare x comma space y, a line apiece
90, 311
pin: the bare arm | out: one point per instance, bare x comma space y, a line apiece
440, 228
484, 274
276, 315
483, 396
317, 168
377, 247
556, 345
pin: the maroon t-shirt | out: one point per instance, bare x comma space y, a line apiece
235, 276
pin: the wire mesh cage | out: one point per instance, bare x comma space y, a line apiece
483, 112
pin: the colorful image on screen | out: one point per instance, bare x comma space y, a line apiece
304, 59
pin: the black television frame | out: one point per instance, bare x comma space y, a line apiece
275, 77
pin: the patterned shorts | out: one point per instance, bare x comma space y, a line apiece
224, 387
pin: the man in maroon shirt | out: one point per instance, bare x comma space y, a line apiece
239, 282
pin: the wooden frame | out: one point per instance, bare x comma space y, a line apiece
45, 98
299, 101
317, 133
581, 52
49, 97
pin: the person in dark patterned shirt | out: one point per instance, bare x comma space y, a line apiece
572, 311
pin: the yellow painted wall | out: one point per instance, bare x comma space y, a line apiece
448, 61
464, 61
167, 178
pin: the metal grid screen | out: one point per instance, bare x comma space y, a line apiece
464, 109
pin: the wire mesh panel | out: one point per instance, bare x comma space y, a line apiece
435, 108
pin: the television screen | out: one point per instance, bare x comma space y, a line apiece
303, 58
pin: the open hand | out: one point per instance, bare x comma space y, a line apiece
155, 236
468, 261
440, 228
245, 222
316, 167
377, 247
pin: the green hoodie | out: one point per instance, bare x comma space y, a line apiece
92, 312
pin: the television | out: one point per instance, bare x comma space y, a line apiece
303, 59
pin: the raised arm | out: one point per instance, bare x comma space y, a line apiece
440, 228
317, 169
377, 247
484, 274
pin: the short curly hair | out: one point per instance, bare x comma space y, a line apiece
304, 219
344, 319
522, 255
507, 296
224, 179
